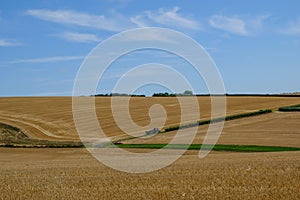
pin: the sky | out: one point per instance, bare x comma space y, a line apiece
255, 44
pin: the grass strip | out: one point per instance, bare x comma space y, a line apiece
227, 118
217, 147
294, 108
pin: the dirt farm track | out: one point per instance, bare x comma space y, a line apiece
72, 173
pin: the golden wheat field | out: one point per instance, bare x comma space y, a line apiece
51, 118
72, 173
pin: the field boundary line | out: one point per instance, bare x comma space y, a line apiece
216, 147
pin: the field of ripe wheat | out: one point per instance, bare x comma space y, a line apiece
74, 174
51, 118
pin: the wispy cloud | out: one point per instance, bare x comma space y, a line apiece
230, 24
116, 21
172, 18
8, 42
139, 21
236, 25
81, 19
293, 28
48, 59
79, 37
165, 17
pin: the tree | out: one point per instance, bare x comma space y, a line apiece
188, 93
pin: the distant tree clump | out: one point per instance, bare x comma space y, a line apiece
119, 95
166, 94
188, 93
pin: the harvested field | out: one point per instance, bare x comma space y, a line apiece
274, 129
50, 118
74, 174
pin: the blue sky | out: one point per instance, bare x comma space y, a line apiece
255, 44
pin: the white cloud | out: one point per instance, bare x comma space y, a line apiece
81, 19
293, 28
117, 22
8, 42
230, 24
247, 26
48, 59
170, 18
79, 37
138, 20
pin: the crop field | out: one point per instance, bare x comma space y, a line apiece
51, 118
72, 173
274, 129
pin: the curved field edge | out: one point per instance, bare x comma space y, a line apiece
217, 147
11, 136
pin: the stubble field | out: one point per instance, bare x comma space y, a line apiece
50, 173
274, 129
51, 118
